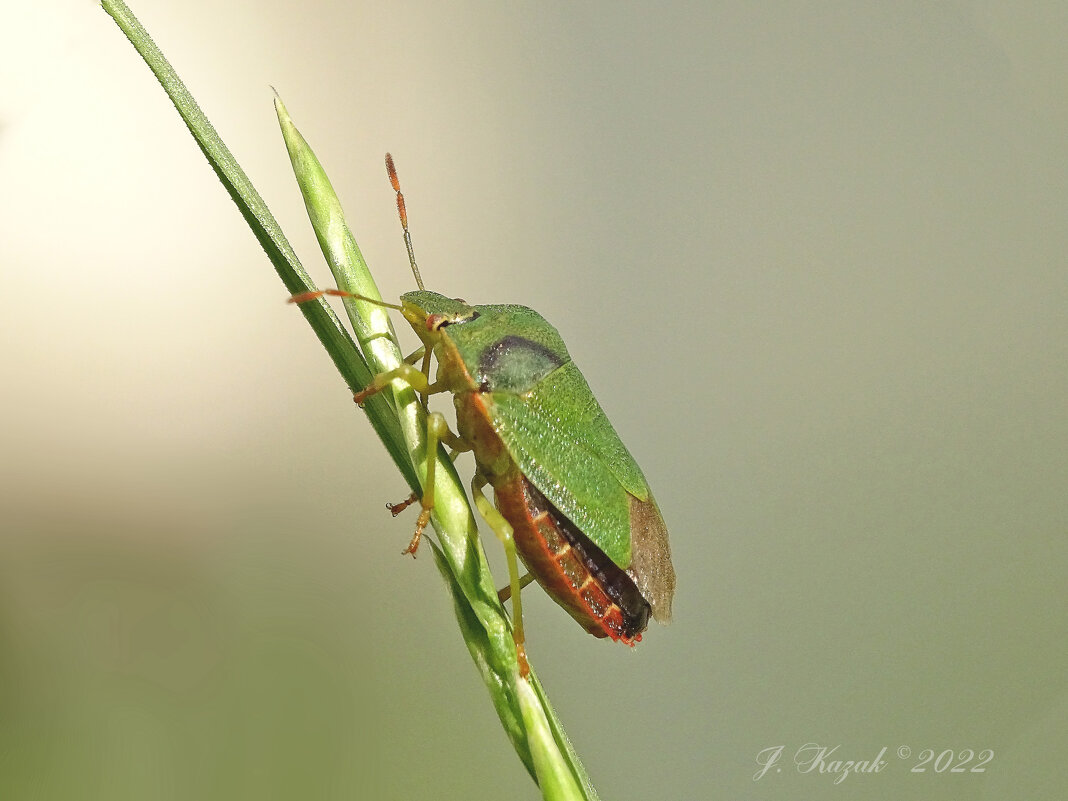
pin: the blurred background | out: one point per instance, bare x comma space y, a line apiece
811, 258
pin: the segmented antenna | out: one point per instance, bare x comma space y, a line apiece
403, 212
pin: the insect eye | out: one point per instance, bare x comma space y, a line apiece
435, 322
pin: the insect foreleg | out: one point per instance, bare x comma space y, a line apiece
413, 375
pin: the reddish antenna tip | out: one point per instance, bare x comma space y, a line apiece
392, 173
402, 212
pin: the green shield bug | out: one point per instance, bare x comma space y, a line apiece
569, 497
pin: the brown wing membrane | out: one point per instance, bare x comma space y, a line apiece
650, 565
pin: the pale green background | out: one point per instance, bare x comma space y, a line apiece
811, 258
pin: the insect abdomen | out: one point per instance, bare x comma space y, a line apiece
575, 572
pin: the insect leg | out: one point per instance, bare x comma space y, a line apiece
503, 530
396, 508
425, 370
461, 446
415, 356
436, 431
407, 372
506, 591
421, 353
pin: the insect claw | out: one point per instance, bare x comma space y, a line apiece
413, 546
396, 508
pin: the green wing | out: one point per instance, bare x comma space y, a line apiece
562, 441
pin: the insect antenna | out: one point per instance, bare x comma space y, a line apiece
403, 212
304, 297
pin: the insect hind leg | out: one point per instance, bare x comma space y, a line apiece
503, 531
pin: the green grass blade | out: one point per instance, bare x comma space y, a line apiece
374, 330
484, 657
555, 778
